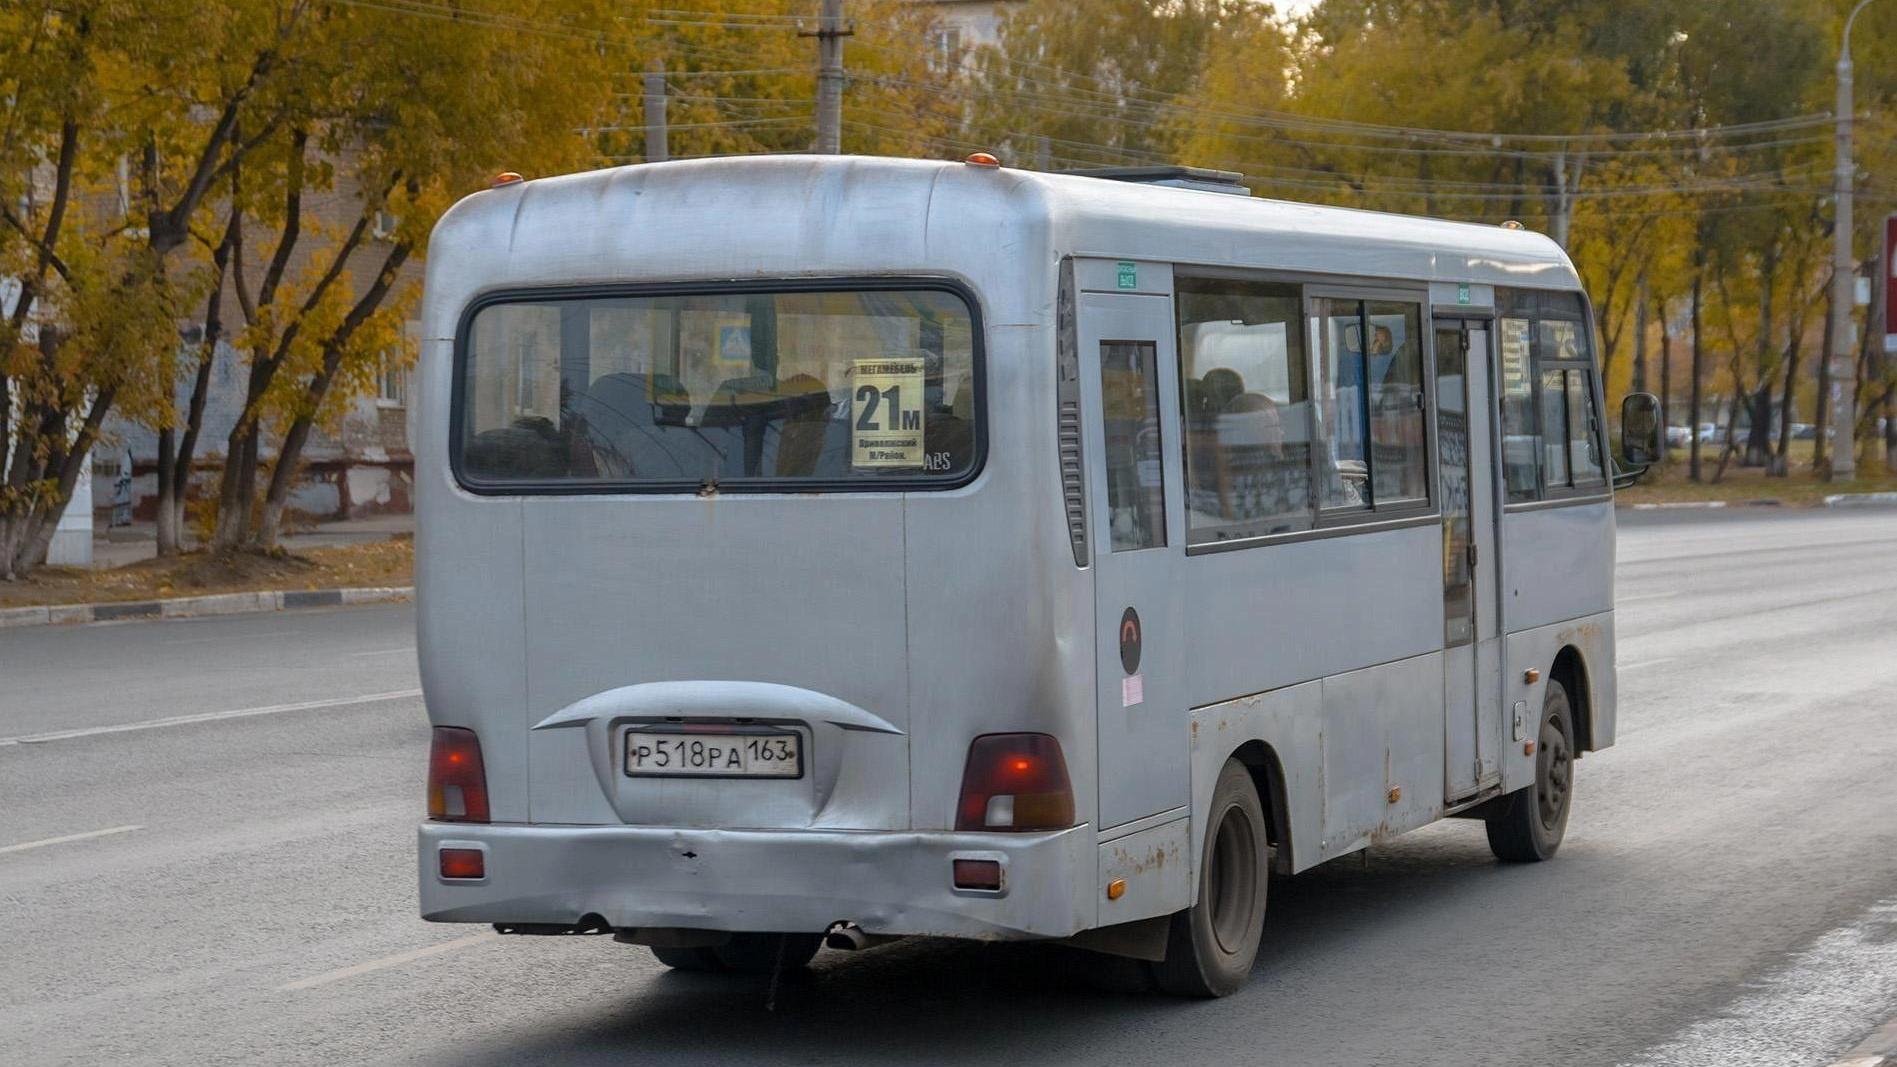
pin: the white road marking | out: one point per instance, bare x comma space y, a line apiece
1806, 1012
87, 836
1654, 662
1642, 596
385, 651
209, 716
385, 962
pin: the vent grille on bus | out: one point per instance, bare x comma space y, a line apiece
1067, 396
1070, 480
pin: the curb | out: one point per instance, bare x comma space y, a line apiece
1696, 504
1858, 500
1877, 1050
192, 606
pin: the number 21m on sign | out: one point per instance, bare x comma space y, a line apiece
886, 416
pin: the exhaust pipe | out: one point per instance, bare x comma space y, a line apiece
849, 937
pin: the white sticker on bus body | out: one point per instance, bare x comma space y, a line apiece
1132, 690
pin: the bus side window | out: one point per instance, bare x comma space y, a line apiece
1551, 434
1371, 401
1521, 431
1246, 400
1136, 492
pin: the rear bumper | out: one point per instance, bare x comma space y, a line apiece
887, 882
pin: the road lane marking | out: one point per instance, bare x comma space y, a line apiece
385, 962
87, 836
1808, 1011
209, 716
1656, 661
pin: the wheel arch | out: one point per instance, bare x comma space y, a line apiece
1261, 761
1570, 669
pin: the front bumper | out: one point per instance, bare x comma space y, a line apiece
887, 882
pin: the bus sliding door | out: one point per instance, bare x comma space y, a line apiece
1472, 684
1128, 372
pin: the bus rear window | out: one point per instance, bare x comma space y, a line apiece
836, 388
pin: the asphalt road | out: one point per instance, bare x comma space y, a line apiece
1727, 894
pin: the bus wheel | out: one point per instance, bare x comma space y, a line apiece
1211, 946
1530, 826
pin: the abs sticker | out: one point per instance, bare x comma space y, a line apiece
886, 413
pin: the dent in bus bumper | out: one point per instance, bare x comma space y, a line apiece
887, 882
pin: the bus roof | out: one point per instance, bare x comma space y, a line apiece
732, 217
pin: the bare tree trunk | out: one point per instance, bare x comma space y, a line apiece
174, 464
1759, 439
1693, 469
1876, 318
168, 492
1731, 444
1666, 377
282, 480
1821, 420
1788, 407
290, 453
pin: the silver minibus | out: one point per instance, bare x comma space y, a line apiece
829, 549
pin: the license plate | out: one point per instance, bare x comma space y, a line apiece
651, 754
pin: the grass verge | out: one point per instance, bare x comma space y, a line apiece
382, 563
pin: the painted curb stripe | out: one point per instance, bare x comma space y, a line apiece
200, 606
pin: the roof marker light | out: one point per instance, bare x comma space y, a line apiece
506, 177
982, 159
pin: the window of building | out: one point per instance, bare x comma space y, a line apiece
1551, 432
1246, 406
391, 382
945, 48
1371, 405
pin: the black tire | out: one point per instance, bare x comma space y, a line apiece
1530, 826
697, 960
1213, 944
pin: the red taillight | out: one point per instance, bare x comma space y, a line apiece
977, 874
463, 863
457, 782
1015, 782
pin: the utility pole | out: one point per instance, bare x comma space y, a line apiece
1640, 334
830, 32
1561, 207
1842, 355
658, 150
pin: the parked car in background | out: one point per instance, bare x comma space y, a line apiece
1803, 431
1679, 436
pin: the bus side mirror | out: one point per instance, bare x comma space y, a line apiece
1640, 429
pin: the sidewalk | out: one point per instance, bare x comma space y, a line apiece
119, 545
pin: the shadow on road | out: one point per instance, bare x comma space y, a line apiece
935, 1001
